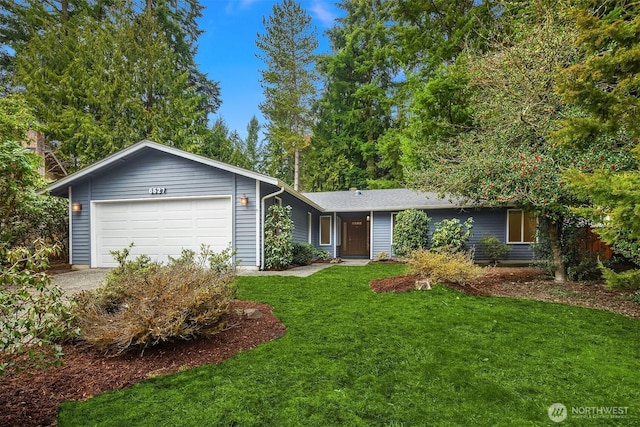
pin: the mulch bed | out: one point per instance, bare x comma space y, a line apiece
31, 398
531, 283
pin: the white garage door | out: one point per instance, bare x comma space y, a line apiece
159, 228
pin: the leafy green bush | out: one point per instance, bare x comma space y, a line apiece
154, 303
453, 234
410, 232
34, 316
303, 253
278, 238
492, 247
321, 254
446, 264
625, 280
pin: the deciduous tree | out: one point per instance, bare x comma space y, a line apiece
506, 156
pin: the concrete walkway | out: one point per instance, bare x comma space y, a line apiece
306, 270
80, 280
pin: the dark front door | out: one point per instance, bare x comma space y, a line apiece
355, 237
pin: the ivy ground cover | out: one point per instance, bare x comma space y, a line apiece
354, 358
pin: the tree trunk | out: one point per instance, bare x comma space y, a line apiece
64, 10
296, 170
559, 269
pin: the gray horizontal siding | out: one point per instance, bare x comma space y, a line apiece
245, 221
486, 222
80, 222
381, 224
180, 177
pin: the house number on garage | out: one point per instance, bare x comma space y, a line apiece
157, 190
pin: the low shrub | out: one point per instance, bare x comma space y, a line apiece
452, 233
493, 248
182, 300
446, 265
34, 315
321, 254
625, 280
303, 253
111, 293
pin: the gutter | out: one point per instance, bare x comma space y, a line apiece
262, 212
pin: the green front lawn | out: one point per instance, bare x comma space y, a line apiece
354, 358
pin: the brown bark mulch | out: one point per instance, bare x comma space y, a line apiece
531, 283
31, 398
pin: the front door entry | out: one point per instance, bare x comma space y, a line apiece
355, 236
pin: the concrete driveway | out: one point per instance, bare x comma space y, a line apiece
76, 281
80, 280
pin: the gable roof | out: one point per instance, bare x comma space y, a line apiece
60, 187
396, 199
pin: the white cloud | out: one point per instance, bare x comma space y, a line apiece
235, 5
322, 11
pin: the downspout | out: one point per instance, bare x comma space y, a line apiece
70, 226
262, 210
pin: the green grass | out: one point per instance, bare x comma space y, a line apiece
354, 358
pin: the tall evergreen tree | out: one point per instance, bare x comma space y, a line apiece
353, 141
430, 37
252, 145
605, 87
21, 20
432, 33
287, 48
99, 85
225, 146
178, 19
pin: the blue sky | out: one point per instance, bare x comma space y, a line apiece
227, 51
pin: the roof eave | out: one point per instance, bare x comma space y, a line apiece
299, 195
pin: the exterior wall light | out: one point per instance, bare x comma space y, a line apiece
76, 207
244, 200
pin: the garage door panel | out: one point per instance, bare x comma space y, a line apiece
178, 224
160, 228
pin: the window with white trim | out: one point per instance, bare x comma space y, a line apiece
521, 226
325, 230
309, 219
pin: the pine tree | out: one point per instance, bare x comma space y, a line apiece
605, 87
287, 49
252, 144
352, 144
